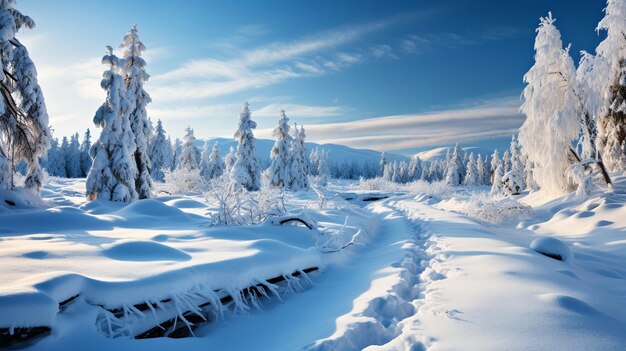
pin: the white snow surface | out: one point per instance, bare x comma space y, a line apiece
430, 267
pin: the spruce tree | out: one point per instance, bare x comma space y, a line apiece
72, 158
113, 171
472, 177
495, 161
299, 166
280, 167
85, 159
230, 159
160, 152
382, 164
455, 169
134, 73
188, 159
246, 171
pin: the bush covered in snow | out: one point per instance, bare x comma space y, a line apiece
494, 209
551, 247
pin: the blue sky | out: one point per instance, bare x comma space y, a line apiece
397, 76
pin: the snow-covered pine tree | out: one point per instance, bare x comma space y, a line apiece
323, 173
178, 151
188, 161
160, 152
388, 171
246, 171
85, 159
72, 158
483, 175
24, 127
495, 161
550, 107
230, 159
517, 165
113, 171
497, 187
299, 165
314, 162
415, 169
382, 164
5, 180
64, 150
472, 177
211, 164
611, 83
280, 168
506, 161
425, 176
133, 71
455, 169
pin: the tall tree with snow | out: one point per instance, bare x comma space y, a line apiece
280, 168
472, 175
323, 172
134, 73
550, 107
495, 161
314, 162
230, 159
85, 158
211, 165
299, 165
611, 140
383, 164
178, 150
482, 171
455, 169
188, 159
160, 152
517, 164
415, 168
113, 171
72, 157
246, 171
24, 132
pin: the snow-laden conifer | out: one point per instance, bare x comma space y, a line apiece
280, 168
314, 162
550, 107
415, 169
472, 177
113, 171
482, 171
211, 165
160, 152
134, 72
517, 165
299, 164
85, 159
72, 158
323, 172
246, 171
382, 164
455, 169
230, 159
188, 159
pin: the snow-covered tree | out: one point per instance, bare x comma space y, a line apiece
314, 162
323, 173
211, 165
497, 187
188, 159
178, 150
55, 160
246, 171
72, 157
550, 107
388, 171
482, 171
517, 166
472, 177
506, 161
24, 132
495, 161
455, 169
280, 168
113, 171
230, 159
383, 164
425, 176
415, 169
612, 115
299, 166
85, 159
160, 152
134, 72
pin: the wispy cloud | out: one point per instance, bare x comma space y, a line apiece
414, 43
493, 118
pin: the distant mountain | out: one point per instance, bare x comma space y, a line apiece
337, 154
440, 153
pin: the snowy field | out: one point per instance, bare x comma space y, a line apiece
385, 267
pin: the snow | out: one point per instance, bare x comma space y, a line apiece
402, 267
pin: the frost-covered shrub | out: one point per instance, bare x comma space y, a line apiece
513, 182
239, 206
440, 189
494, 209
183, 180
377, 184
551, 247
582, 174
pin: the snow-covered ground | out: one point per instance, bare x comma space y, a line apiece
430, 267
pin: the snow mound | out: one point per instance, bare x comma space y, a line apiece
144, 251
150, 207
551, 247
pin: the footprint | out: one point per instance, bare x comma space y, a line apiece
585, 214
604, 223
